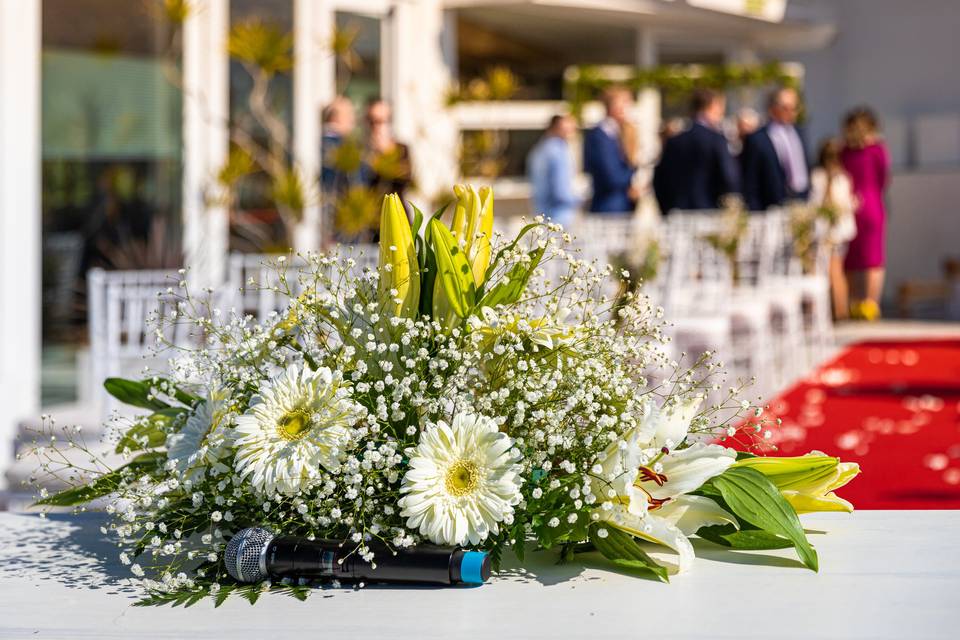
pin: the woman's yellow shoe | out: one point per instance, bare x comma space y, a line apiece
865, 310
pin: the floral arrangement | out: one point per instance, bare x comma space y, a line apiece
811, 226
456, 394
637, 264
732, 229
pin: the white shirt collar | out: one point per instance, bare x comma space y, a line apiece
610, 127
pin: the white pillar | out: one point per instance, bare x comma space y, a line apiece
648, 103
206, 103
421, 116
313, 86
19, 219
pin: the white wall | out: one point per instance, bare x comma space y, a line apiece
902, 57
923, 226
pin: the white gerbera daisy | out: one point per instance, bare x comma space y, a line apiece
204, 439
299, 423
462, 482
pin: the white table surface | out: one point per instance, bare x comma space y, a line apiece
884, 574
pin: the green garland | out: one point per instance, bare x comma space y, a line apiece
587, 81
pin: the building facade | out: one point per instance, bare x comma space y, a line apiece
100, 150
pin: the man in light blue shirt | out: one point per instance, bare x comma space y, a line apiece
550, 170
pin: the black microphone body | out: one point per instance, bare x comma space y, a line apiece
255, 554
294, 557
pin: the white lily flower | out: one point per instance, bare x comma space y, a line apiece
652, 503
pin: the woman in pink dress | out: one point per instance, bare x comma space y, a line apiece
867, 162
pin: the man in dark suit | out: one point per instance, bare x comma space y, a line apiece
696, 168
605, 158
774, 162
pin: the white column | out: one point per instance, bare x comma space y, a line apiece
648, 100
313, 86
19, 219
205, 140
421, 116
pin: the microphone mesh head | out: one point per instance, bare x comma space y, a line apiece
243, 554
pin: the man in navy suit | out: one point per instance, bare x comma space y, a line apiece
696, 168
606, 161
774, 162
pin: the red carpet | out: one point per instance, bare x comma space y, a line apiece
894, 407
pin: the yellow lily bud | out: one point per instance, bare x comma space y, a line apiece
807, 482
473, 226
399, 289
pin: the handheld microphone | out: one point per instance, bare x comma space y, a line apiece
254, 554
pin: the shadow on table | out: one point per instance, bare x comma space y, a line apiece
66, 548
709, 551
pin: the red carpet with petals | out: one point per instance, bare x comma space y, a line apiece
894, 407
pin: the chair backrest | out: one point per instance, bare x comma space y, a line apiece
120, 309
252, 280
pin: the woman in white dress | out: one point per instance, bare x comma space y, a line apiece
832, 191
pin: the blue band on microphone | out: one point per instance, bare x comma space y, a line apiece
471, 567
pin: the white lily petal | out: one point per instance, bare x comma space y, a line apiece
689, 513
620, 465
686, 470
668, 426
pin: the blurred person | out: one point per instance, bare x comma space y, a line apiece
696, 169
774, 162
830, 188
339, 170
748, 121
550, 170
605, 157
867, 161
669, 128
388, 161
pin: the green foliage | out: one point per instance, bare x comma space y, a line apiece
287, 191
136, 394
623, 550
149, 432
427, 257
249, 592
509, 290
588, 81
746, 538
147, 463
752, 497
456, 277
141, 393
261, 44
239, 164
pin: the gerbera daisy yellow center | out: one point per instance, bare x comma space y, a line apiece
294, 424
462, 478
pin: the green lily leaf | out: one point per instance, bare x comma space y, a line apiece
510, 289
453, 271
752, 497
153, 428
746, 539
623, 550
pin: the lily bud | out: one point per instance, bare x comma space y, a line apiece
807, 482
399, 288
473, 226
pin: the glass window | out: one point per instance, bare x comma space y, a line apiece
359, 59
111, 156
255, 224
493, 154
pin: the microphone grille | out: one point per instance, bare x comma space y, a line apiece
244, 556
